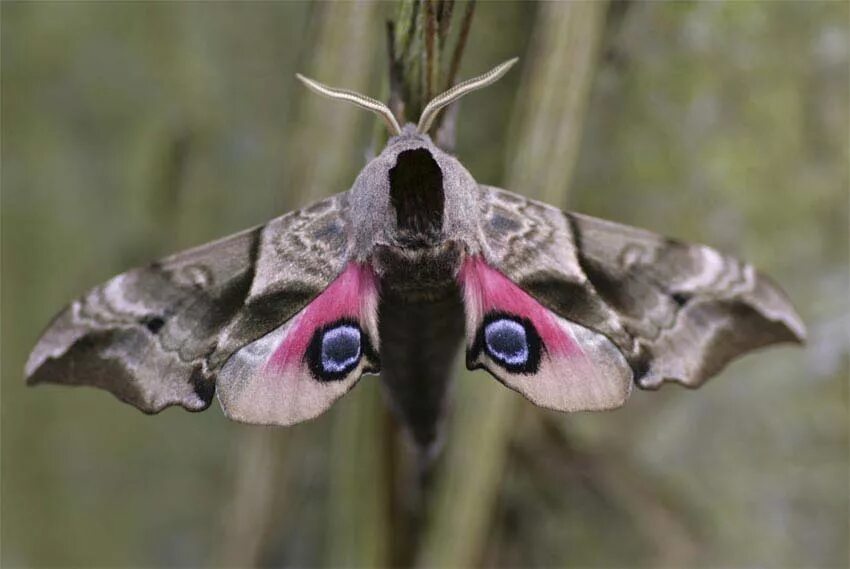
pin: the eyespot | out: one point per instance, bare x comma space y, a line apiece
506, 340
510, 341
340, 348
335, 350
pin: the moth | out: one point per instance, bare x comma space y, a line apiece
394, 276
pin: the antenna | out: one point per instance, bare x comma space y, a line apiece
438, 103
357, 99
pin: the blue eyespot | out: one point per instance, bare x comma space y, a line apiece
336, 349
340, 348
509, 341
506, 341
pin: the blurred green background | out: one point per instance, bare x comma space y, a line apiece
131, 130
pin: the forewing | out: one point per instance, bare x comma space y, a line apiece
676, 311
158, 335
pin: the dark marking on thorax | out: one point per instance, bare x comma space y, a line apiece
418, 274
416, 194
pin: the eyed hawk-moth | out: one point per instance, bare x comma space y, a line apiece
393, 276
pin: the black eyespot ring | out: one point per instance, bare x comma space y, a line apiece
336, 349
510, 341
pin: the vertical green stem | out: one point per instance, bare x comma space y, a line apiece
547, 126
550, 110
320, 157
358, 512
323, 154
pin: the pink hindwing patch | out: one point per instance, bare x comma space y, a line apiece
297, 371
351, 300
554, 362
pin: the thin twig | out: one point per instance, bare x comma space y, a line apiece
430, 32
408, 35
461, 43
463, 506
396, 97
444, 17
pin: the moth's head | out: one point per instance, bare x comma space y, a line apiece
413, 195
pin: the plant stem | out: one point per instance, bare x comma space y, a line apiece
546, 131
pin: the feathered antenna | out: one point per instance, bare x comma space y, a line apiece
432, 109
438, 103
357, 99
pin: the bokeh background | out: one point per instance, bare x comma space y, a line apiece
131, 130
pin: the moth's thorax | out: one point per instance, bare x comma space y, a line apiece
427, 274
413, 197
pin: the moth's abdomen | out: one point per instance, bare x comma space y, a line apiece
421, 330
420, 341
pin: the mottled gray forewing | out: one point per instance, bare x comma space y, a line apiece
677, 311
156, 336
